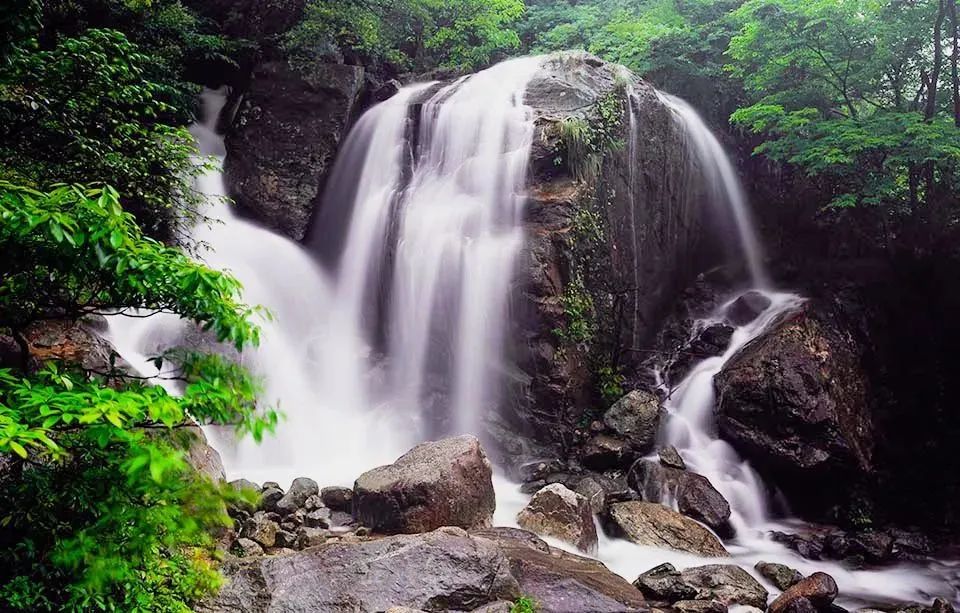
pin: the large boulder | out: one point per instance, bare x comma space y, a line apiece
726, 583
563, 514
654, 525
561, 582
795, 402
284, 138
439, 571
620, 244
695, 495
442, 483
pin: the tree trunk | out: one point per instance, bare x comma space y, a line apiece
954, 59
931, 109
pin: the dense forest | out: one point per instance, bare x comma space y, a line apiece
843, 116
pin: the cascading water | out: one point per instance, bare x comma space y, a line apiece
429, 231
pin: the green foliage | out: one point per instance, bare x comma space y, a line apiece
585, 141
411, 34
611, 382
524, 604
581, 325
109, 515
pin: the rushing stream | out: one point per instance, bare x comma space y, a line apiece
397, 337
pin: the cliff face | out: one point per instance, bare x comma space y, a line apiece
615, 231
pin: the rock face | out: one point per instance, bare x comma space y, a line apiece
561, 582
622, 243
439, 571
284, 138
794, 401
647, 523
442, 483
694, 494
560, 513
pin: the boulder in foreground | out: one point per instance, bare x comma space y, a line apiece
654, 525
442, 483
563, 514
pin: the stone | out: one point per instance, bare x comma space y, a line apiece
272, 485
560, 513
876, 547
318, 518
387, 90
635, 417
695, 495
780, 575
286, 539
800, 605
244, 485
590, 488
664, 583
794, 402
337, 498
819, 588
443, 483
746, 308
245, 547
261, 529
810, 546
726, 583
670, 457
284, 139
654, 525
501, 606
699, 606
443, 570
269, 498
561, 582
603, 452
310, 537
313, 503
300, 490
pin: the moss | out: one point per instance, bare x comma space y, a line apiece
581, 325
585, 142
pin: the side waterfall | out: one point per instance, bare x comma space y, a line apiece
402, 341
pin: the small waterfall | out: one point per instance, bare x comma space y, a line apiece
723, 182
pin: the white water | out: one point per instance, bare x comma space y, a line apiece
724, 182
441, 244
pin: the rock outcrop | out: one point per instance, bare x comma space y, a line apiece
441, 483
284, 138
560, 513
795, 402
654, 525
443, 570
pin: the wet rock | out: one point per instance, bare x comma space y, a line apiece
442, 483
446, 569
819, 588
245, 547
540, 470
876, 547
318, 518
711, 341
694, 494
746, 308
780, 575
387, 90
647, 523
794, 401
310, 537
911, 544
286, 539
560, 513
284, 139
269, 498
502, 606
603, 452
562, 582
670, 457
636, 417
664, 583
809, 546
337, 498
261, 529
590, 488
300, 490
800, 605
726, 583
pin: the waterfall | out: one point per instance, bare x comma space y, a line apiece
723, 183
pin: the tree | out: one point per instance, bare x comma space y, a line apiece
108, 514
